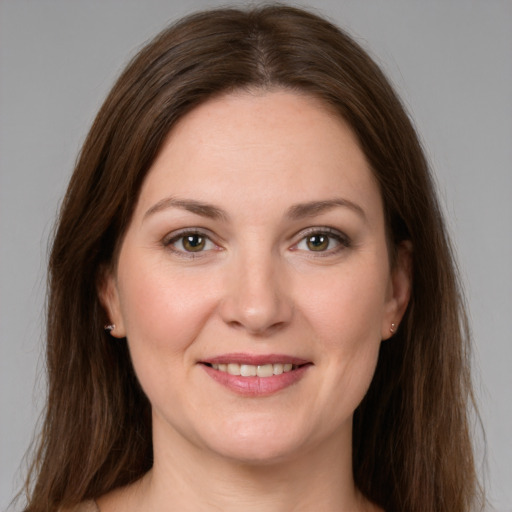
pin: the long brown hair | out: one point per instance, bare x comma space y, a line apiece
411, 448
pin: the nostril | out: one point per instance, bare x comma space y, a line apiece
263, 331
235, 324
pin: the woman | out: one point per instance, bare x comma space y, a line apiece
253, 221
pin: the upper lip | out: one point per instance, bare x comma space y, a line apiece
255, 359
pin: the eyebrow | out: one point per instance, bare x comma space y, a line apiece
191, 205
295, 212
314, 208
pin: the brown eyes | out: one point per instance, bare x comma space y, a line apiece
189, 242
193, 242
318, 242
327, 241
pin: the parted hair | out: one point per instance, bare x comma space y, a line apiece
412, 447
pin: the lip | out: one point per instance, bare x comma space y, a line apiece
255, 359
256, 386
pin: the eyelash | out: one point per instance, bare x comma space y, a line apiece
174, 238
342, 240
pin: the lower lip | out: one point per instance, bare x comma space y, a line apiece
257, 386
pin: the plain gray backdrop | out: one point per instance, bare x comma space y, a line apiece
451, 61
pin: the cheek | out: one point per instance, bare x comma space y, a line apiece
163, 312
347, 326
347, 306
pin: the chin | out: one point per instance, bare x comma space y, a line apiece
258, 454
258, 445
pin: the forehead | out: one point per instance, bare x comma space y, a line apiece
261, 148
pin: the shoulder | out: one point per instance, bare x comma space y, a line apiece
85, 506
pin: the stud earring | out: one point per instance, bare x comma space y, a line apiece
392, 329
109, 327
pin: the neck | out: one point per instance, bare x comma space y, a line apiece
188, 477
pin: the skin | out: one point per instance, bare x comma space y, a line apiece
257, 287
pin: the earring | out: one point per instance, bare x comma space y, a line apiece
109, 327
392, 329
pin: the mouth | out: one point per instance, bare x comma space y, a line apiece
251, 370
256, 375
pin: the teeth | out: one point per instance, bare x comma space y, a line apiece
266, 370
233, 369
278, 369
250, 370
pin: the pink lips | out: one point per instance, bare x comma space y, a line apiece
256, 386
254, 359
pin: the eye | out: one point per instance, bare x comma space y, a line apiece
190, 242
322, 241
318, 242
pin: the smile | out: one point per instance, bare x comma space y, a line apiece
256, 375
251, 370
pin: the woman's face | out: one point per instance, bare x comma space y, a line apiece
258, 247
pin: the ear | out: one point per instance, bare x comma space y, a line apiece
399, 290
109, 297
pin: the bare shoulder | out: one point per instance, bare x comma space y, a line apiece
85, 506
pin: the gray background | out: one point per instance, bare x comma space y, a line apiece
451, 62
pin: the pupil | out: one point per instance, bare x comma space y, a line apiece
193, 242
318, 242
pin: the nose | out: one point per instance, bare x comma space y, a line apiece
257, 297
